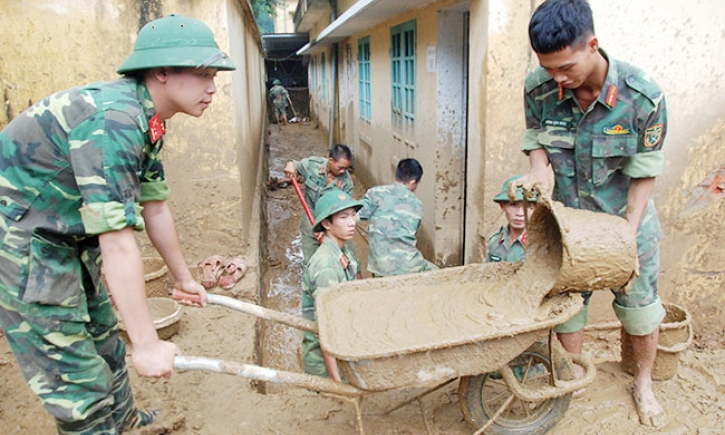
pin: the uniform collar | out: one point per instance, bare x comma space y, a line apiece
505, 236
156, 126
610, 88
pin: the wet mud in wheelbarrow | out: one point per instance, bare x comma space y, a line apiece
431, 328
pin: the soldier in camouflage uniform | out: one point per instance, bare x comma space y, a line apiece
321, 175
334, 262
81, 171
395, 214
507, 244
601, 125
280, 97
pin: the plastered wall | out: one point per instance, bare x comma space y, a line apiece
213, 163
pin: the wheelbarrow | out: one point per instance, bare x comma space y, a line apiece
487, 325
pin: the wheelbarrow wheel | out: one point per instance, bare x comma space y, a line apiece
482, 396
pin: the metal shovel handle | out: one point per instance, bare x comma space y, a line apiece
248, 308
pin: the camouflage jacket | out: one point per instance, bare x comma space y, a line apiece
74, 165
80, 161
314, 170
499, 248
395, 214
329, 265
594, 154
278, 93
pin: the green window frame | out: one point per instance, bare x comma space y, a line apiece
402, 68
313, 73
323, 68
364, 87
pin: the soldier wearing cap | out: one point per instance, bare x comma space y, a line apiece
321, 175
81, 172
601, 124
333, 262
279, 96
507, 244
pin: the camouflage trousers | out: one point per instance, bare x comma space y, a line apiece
312, 359
70, 352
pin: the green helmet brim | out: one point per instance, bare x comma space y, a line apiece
191, 57
176, 41
330, 203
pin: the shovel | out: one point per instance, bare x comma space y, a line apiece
296, 185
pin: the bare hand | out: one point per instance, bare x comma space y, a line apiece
195, 288
155, 360
289, 170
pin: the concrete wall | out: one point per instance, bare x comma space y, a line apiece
285, 17
213, 163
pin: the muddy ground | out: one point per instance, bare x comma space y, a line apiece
196, 403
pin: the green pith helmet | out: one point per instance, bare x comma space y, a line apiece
276, 82
332, 202
503, 196
176, 41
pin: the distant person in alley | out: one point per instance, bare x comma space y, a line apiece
82, 172
395, 214
280, 101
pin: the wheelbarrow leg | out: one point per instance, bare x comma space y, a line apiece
355, 402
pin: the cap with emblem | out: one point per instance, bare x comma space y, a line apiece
503, 195
176, 41
332, 202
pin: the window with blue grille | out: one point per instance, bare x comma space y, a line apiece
402, 68
363, 65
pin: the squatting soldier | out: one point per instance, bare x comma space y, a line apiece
81, 171
601, 125
507, 244
395, 214
321, 175
334, 262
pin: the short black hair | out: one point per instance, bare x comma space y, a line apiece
341, 151
557, 24
408, 170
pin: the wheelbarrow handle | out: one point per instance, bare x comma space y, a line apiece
248, 308
249, 371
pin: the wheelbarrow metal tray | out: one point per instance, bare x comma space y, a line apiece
416, 329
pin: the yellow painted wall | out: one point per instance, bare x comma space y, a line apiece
213, 163
284, 18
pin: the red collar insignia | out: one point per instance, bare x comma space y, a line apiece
157, 128
344, 261
611, 99
561, 92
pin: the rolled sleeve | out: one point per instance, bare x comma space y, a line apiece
155, 191
530, 141
99, 218
645, 165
